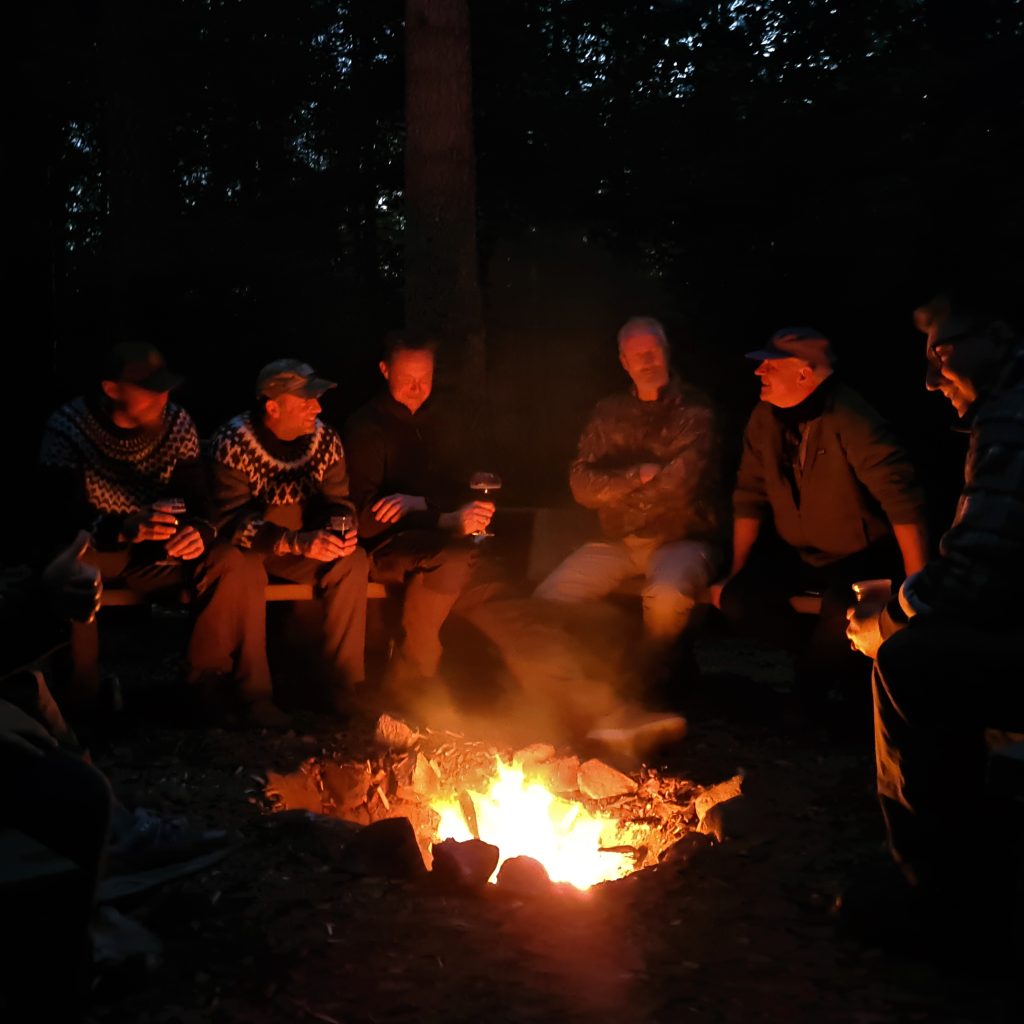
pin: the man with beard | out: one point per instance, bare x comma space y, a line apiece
947, 654
408, 484
122, 463
280, 484
647, 462
822, 469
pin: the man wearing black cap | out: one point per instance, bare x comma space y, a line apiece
822, 467
280, 492
123, 463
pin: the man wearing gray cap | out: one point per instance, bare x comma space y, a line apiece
280, 492
823, 468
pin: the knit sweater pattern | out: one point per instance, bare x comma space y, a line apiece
272, 480
122, 470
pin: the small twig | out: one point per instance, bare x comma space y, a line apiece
316, 1014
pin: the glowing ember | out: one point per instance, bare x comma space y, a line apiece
524, 818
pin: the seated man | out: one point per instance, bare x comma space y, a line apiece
278, 478
51, 792
402, 452
647, 463
823, 469
123, 463
948, 647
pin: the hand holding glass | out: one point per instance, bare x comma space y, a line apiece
485, 482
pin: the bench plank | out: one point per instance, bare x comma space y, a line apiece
123, 597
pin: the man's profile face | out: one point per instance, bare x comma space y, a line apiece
410, 376
784, 382
956, 364
137, 406
292, 416
644, 358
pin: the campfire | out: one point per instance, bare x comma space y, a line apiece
525, 817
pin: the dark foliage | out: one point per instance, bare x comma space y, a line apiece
226, 178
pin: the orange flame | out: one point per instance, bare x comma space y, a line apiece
524, 818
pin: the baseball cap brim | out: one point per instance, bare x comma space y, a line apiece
768, 353
162, 380
314, 387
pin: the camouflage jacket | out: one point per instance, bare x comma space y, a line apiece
678, 431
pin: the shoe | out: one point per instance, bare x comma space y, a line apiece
265, 714
635, 732
143, 840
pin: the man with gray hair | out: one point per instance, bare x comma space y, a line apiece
647, 462
822, 469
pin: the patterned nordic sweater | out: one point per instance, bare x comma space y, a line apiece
93, 473
263, 486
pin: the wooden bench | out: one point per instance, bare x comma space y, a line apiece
122, 597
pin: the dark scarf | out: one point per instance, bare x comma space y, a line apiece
792, 422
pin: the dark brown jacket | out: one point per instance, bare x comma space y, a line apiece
679, 432
855, 480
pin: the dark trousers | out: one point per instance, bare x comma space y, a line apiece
229, 637
139, 568
756, 603
938, 684
434, 568
64, 804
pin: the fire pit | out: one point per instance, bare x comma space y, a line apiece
584, 822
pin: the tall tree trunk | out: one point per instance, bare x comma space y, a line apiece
442, 287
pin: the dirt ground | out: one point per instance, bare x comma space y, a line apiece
733, 931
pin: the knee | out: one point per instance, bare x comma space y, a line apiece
552, 589
659, 594
455, 565
352, 568
898, 671
227, 561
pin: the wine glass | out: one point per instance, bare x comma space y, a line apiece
484, 482
174, 507
341, 523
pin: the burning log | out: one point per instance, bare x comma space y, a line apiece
393, 734
601, 782
585, 823
717, 794
348, 784
560, 776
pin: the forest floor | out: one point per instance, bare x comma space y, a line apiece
280, 930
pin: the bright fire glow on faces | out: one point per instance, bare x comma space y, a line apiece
292, 416
526, 819
410, 376
644, 358
954, 367
785, 382
135, 406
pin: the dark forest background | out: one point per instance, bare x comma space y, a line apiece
225, 177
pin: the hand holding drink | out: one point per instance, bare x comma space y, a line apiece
343, 526
478, 512
863, 625
185, 543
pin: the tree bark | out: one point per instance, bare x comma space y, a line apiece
442, 287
